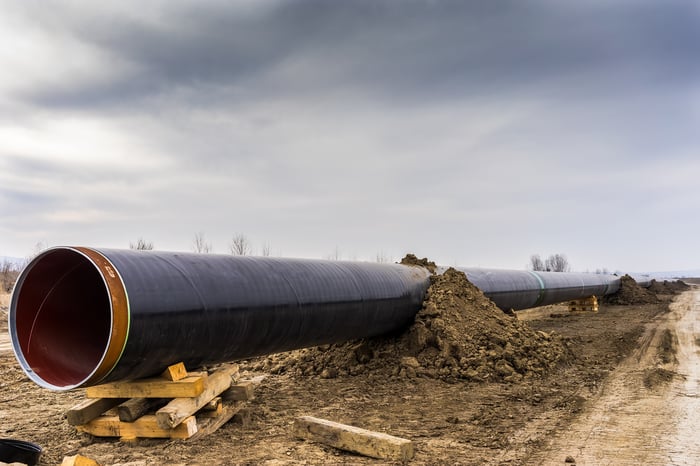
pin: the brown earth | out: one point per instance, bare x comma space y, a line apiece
467, 383
631, 293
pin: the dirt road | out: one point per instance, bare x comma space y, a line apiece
638, 419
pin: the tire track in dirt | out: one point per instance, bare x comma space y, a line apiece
685, 447
630, 424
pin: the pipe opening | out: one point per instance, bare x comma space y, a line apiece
61, 319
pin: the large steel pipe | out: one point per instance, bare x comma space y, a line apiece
523, 289
82, 316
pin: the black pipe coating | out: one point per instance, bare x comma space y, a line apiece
524, 289
82, 316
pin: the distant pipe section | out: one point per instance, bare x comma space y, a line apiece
523, 289
82, 316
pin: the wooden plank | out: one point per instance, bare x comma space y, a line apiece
213, 405
144, 427
241, 391
215, 412
175, 372
134, 408
354, 439
78, 460
148, 388
212, 409
206, 426
181, 408
89, 409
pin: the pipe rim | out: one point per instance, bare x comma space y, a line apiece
119, 318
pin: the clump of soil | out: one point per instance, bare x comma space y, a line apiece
459, 334
411, 259
630, 293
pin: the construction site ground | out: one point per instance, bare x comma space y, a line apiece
627, 394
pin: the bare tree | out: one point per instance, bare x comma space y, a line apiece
265, 252
557, 263
335, 255
383, 258
9, 271
536, 263
141, 245
200, 244
240, 245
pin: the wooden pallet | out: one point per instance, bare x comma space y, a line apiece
584, 305
178, 405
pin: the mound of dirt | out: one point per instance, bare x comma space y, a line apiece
667, 287
458, 335
630, 293
411, 259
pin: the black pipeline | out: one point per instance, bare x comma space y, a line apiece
81, 316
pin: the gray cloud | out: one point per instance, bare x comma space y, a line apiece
474, 132
412, 50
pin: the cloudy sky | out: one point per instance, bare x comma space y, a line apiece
474, 133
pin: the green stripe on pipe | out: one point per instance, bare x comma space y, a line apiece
540, 297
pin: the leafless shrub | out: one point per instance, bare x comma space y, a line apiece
240, 245
536, 263
554, 263
335, 255
141, 245
557, 263
9, 271
200, 244
383, 258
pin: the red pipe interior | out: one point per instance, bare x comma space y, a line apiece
62, 317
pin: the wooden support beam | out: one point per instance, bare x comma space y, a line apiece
208, 425
354, 439
180, 408
148, 388
242, 391
175, 372
89, 409
134, 408
589, 304
144, 427
213, 405
78, 460
212, 409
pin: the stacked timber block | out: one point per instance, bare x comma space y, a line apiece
176, 405
584, 305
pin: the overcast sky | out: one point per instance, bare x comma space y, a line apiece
474, 133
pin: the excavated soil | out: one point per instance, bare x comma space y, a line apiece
631, 293
467, 383
667, 288
458, 335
